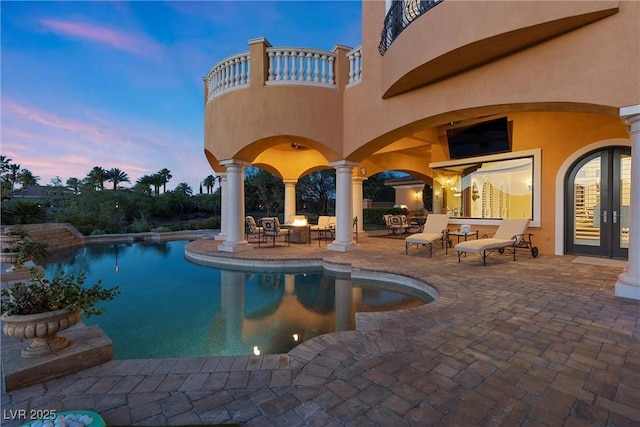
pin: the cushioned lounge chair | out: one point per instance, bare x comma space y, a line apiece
434, 230
510, 235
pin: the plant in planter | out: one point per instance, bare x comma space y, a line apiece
28, 250
8, 238
41, 308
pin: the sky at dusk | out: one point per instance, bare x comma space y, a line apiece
119, 84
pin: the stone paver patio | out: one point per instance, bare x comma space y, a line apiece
533, 342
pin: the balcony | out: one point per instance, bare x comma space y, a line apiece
282, 66
400, 15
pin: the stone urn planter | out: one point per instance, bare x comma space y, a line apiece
9, 257
42, 328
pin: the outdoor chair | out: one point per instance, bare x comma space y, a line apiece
396, 224
434, 230
510, 235
253, 229
272, 229
325, 227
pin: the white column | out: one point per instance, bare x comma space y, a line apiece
628, 284
289, 198
343, 303
344, 207
235, 240
357, 202
223, 206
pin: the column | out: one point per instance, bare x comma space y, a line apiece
289, 198
628, 284
223, 206
357, 202
235, 240
343, 303
344, 207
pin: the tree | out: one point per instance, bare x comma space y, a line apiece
116, 176
24, 212
184, 188
316, 189
166, 176
97, 177
144, 184
74, 185
264, 191
27, 179
14, 174
209, 182
56, 181
373, 188
157, 181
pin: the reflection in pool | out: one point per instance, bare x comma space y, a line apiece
170, 307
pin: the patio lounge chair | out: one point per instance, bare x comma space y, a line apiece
511, 235
272, 229
434, 230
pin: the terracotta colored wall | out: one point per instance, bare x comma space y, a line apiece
594, 68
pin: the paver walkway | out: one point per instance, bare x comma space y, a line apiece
534, 342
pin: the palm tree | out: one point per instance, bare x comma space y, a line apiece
144, 184
4, 164
74, 185
184, 188
27, 179
157, 182
14, 173
97, 177
116, 176
209, 183
166, 176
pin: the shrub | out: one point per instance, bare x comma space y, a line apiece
40, 295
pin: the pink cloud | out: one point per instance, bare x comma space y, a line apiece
138, 45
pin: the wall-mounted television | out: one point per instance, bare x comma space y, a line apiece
490, 137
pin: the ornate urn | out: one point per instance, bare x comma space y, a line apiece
42, 328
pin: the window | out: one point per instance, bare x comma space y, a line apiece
489, 187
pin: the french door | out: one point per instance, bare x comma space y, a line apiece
598, 190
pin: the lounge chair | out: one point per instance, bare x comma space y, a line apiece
434, 230
511, 235
272, 229
253, 229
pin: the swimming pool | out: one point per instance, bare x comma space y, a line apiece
170, 307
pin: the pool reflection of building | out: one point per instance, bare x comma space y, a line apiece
293, 311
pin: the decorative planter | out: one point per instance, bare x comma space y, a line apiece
42, 328
9, 257
9, 239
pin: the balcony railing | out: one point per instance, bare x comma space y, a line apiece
230, 73
400, 15
285, 66
303, 66
355, 65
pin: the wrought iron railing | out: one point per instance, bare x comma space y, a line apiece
400, 15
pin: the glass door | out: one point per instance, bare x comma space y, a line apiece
598, 189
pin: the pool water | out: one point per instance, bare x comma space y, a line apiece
170, 307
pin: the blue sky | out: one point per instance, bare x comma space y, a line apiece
119, 84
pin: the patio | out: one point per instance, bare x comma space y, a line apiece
539, 341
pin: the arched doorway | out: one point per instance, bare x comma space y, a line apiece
598, 189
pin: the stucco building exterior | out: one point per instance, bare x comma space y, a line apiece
557, 82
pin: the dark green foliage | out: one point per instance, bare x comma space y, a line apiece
263, 192
40, 295
373, 217
316, 192
373, 188
22, 212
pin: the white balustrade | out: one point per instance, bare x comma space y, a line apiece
355, 65
230, 73
301, 66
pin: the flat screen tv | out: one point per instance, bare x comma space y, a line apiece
490, 137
